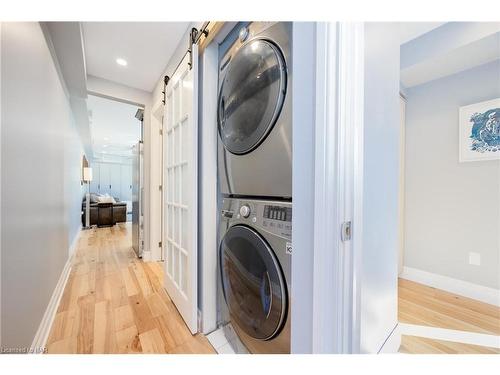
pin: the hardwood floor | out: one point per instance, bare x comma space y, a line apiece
115, 303
424, 345
426, 306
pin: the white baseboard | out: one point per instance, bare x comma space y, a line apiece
465, 337
74, 243
42, 334
146, 256
460, 287
393, 342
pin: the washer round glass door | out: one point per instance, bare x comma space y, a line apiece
252, 282
251, 96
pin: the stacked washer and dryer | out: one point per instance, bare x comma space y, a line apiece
255, 180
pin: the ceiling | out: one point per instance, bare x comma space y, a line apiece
454, 61
412, 30
448, 49
113, 128
146, 46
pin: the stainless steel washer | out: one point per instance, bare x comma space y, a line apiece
255, 273
254, 113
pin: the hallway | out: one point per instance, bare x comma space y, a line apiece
115, 303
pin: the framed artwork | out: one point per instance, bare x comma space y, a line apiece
479, 131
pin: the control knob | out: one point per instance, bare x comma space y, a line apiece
245, 210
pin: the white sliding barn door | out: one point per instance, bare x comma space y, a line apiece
180, 197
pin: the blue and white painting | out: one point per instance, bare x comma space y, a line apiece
480, 131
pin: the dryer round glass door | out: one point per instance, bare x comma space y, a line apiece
253, 283
251, 95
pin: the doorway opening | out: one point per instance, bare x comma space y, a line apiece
449, 201
116, 137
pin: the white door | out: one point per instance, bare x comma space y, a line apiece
94, 184
104, 179
126, 184
115, 181
180, 193
402, 148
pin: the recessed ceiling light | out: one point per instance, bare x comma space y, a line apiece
121, 61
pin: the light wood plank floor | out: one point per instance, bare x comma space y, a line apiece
115, 303
426, 306
424, 345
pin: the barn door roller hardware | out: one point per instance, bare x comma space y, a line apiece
194, 38
164, 92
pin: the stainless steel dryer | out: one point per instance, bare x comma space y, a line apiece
254, 113
255, 273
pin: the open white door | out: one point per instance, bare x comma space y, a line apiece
402, 149
180, 197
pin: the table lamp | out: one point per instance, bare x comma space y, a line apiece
87, 177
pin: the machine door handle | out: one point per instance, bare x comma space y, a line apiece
222, 112
227, 213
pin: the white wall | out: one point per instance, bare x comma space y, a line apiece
381, 185
74, 190
304, 57
207, 185
452, 208
41, 192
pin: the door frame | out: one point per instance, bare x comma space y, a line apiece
338, 186
328, 47
327, 186
208, 187
124, 94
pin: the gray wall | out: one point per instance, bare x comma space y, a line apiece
452, 208
40, 176
381, 186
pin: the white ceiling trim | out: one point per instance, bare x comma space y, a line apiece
451, 62
412, 30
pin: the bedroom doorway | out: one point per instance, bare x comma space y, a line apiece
116, 144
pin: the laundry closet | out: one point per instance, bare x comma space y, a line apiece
254, 168
231, 201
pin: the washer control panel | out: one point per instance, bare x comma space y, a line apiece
278, 213
278, 219
272, 216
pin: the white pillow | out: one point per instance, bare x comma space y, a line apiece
106, 199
